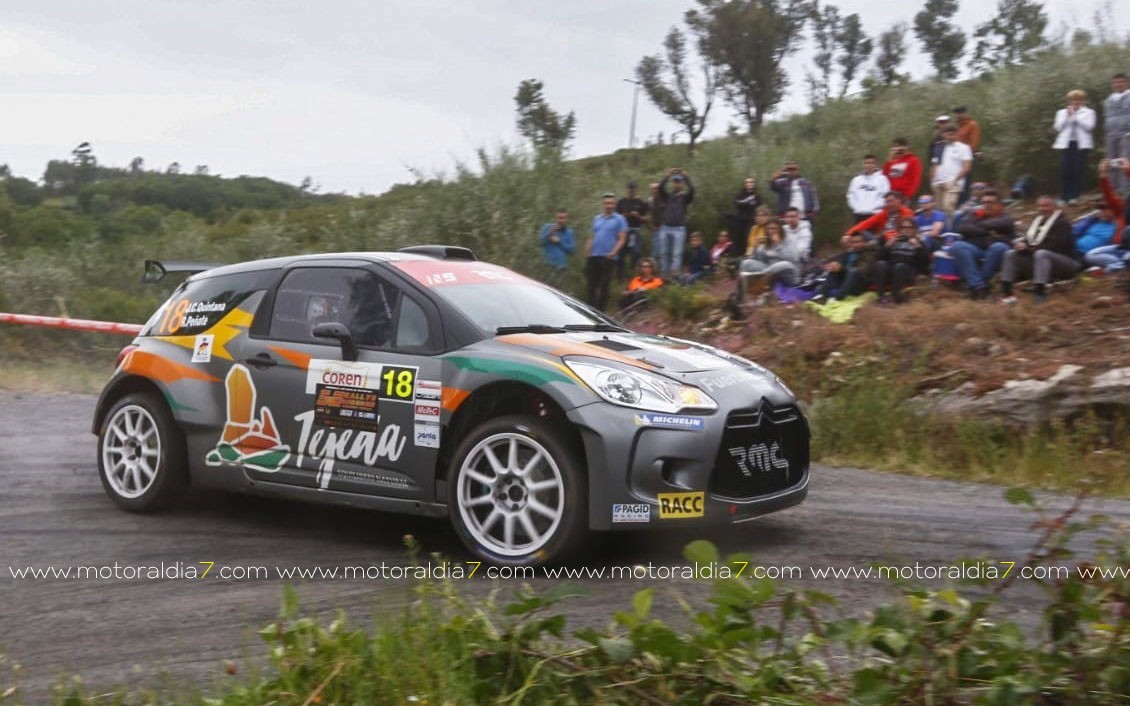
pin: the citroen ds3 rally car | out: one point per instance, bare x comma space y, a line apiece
430, 383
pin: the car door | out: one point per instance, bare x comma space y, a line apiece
369, 425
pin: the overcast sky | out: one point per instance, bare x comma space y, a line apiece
352, 93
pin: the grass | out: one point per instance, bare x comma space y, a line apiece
54, 375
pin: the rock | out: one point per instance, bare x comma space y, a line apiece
996, 350
1102, 302
975, 345
962, 327
1065, 394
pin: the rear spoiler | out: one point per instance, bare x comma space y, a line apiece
441, 252
155, 270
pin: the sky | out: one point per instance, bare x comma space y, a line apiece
355, 94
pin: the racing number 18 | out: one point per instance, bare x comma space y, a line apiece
399, 383
174, 315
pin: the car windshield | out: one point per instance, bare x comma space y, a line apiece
517, 304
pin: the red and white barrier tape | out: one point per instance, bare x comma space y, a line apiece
72, 324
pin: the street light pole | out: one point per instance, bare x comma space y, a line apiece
635, 102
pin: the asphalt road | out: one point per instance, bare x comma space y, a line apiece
53, 513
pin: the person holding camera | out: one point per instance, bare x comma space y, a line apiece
794, 191
1046, 251
557, 242
900, 259
1116, 123
671, 237
1073, 125
1114, 257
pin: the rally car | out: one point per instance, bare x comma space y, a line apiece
428, 382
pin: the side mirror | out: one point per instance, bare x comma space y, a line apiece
340, 333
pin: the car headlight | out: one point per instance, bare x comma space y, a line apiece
640, 389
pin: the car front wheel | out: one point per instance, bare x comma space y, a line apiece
517, 493
141, 455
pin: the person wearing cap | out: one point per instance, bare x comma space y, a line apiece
794, 191
931, 223
633, 209
903, 169
948, 173
939, 142
1073, 124
671, 237
968, 132
866, 189
609, 233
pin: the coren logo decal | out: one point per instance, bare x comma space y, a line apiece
679, 505
759, 457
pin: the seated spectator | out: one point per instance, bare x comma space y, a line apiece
1115, 256
971, 205
931, 223
723, 247
761, 217
698, 261
985, 237
645, 280
849, 273
1046, 251
884, 222
899, 260
775, 258
1095, 230
798, 232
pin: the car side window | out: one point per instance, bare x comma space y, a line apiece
367, 304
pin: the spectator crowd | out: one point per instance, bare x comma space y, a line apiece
911, 217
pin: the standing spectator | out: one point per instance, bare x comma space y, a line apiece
746, 204
931, 223
1114, 257
698, 261
632, 208
671, 237
723, 247
794, 191
882, 224
985, 237
865, 191
1046, 251
557, 243
609, 233
900, 259
903, 169
849, 273
655, 212
968, 132
947, 176
798, 232
938, 142
1116, 119
1073, 126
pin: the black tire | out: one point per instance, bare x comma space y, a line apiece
513, 495
141, 470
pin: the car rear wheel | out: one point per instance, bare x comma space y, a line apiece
141, 454
517, 493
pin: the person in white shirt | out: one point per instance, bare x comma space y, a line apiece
798, 233
947, 175
865, 192
1074, 125
1116, 122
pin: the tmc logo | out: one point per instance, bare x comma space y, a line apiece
761, 457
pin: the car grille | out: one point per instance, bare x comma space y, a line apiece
763, 451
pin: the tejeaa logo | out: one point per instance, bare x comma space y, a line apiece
247, 441
631, 512
761, 457
669, 421
680, 505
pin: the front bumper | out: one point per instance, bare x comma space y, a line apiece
648, 470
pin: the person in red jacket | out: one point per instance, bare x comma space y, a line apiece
903, 169
885, 222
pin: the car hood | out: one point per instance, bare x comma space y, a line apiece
658, 353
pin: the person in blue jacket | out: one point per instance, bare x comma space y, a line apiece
558, 240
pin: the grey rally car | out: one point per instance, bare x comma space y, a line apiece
427, 382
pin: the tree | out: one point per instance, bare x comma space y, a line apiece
748, 40
855, 48
86, 165
666, 81
173, 168
136, 166
1014, 33
940, 37
892, 53
547, 130
826, 23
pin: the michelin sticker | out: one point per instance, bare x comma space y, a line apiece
669, 421
202, 349
631, 512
